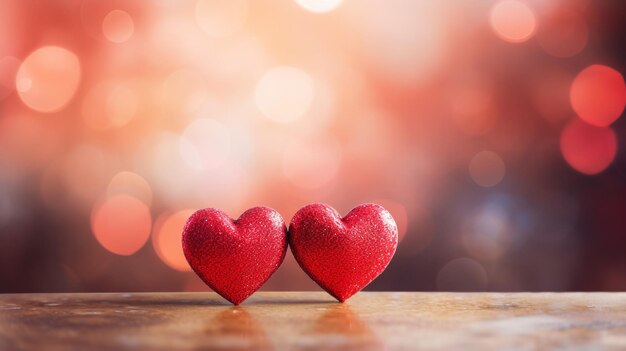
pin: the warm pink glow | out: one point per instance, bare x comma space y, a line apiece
598, 95
118, 26
319, 5
473, 122
284, 94
166, 239
131, 184
311, 165
121, 224
563, 34
513, 21
48, 78
109, 105
586, 148
206, 145
221, 18
473, 109
8, 69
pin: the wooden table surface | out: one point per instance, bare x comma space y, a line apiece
313, 321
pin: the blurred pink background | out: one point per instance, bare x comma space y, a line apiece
490, 130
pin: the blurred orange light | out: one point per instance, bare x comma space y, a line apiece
121, 224
598, 95
132, 184
513, 21
183, 92
17, 135
109, 105
405, 44
284, 94
85, 172
586, 148
166, 239
48, 78
221, 18
311, 166
563, 34
205, 144
319, 5
118, 26
487, 168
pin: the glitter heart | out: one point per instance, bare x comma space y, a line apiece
343, 255
235, 257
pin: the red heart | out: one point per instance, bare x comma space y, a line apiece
343, 255
235, 257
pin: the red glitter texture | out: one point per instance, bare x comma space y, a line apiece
343, 255
235, 257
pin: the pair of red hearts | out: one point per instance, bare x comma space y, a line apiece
342, 255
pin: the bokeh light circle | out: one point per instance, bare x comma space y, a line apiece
131, 184
166, 239
487, 168
121, 224
513, 21
221, 18
109, 105
563, 34
319, 6
598, 95
48, 78
183, 92
118, 26
284, 94
586, 148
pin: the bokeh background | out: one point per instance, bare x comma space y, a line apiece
491, 130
